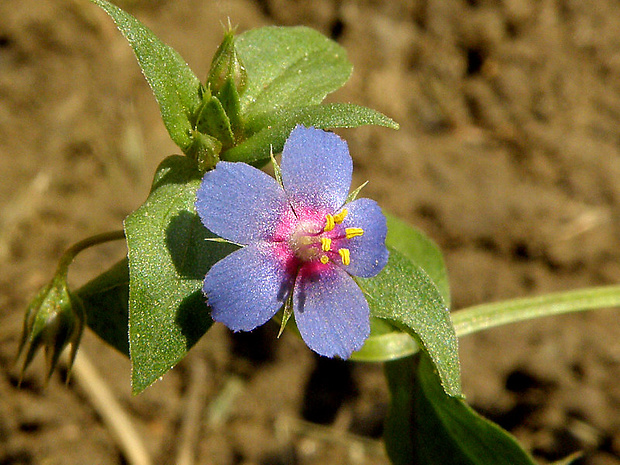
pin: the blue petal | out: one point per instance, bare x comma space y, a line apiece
330, 310
246, 288
241, 203
316, 169
368, 253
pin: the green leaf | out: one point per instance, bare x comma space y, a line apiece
404, 295
288, 67
176, 88
105, 300
168, 259
386, 342
421, 250
426, 426
278, 126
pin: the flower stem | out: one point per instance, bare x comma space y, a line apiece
71, 252
485, 316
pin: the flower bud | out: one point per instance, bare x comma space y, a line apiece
54, 319
227, 65
226, 82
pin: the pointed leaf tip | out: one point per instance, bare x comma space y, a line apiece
175, 86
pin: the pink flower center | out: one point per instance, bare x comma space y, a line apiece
315, 241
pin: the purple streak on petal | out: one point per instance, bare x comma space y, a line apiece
368, 252
241, 203
316, 169
330, 310
246, 288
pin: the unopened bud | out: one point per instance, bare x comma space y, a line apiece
227, 66
54, 320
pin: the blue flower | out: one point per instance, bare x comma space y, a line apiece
301, 241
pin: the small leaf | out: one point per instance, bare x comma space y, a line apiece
278, 126
425, 425
403, 294
288, 67
169, 255
106, 300
176, 87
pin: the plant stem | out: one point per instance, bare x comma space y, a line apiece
485, 316
71, 252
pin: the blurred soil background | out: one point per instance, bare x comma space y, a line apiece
508, 156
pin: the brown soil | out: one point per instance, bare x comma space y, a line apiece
508, 156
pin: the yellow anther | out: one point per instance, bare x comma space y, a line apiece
326, 244
344, 256
339, 217
324, 259
353, 232
329, 222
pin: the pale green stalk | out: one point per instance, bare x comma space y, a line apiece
485, 316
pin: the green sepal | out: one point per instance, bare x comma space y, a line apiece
229, 97
354, 193
277, 171
213, 121
287, 311
205, 150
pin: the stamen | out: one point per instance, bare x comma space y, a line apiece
344, 256
339, 217
326, 244
324, 259
353, 232
329, 222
